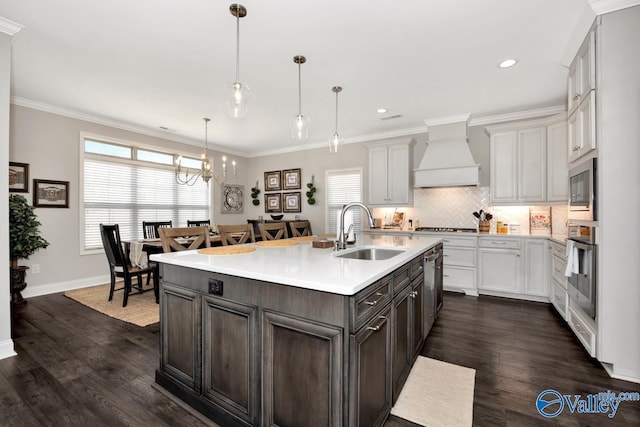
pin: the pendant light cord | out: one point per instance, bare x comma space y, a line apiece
299, 89
238, 44
336, 111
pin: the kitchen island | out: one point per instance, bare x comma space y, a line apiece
293, 335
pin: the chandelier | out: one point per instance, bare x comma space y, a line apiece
189, 176
237, 94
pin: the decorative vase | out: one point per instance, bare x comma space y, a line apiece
18, 284
483, 226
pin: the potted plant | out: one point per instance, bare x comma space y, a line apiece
25, 240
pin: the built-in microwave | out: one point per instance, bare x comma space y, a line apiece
583, 191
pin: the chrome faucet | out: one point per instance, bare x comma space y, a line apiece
341, 242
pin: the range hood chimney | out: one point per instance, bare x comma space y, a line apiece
447, 162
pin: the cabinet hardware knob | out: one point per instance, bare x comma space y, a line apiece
374, 302
445, 275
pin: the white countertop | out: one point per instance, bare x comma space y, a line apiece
559, 238
305, 266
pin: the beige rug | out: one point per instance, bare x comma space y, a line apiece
437, 394
141, 309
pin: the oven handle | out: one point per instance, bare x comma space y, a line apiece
581, 245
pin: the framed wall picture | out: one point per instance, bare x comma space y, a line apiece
540, 220
291, 202
50, 194
272, 203
272, 181
291, 179
18, 177
232, 199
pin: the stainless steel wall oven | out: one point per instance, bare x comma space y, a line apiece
582, 264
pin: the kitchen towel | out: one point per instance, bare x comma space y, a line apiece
573, 261
137, 256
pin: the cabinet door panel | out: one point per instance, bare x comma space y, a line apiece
302, 372
504, 163
402, 347
537, 271
230, 356
500, 270
179, 341
398, 174
378, 175
557, 175
417, 314
370, 382
532, 160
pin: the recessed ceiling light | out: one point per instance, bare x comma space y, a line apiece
508, 63
382, 110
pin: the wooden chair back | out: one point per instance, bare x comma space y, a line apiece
198, 223
150, 228
184, 238
300, 228
273, 230
236, 234
113, 248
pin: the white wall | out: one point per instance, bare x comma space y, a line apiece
6, 344
618, 113
50, 144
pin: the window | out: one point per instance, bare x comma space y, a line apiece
343, 186
126, 189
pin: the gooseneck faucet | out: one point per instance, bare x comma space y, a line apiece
341, 242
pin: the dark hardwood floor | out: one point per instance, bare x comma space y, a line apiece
78, 367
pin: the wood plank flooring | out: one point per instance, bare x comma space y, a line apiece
76, 366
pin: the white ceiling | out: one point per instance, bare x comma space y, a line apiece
152, 63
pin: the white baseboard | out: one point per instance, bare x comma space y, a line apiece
6, 349
52, 288
633, 377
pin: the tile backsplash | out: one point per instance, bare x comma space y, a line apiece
453, 207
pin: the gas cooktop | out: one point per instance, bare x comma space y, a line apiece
447, 229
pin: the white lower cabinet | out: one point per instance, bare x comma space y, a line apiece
559, 298
584, 330
460, 255
500, 264
536, 278
558, 289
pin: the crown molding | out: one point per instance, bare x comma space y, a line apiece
448, 119
353, 140
73, 114
519, 115
601, 7
9, 27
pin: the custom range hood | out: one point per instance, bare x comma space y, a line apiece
447, 162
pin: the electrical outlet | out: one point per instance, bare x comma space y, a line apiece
35, 268
215, 287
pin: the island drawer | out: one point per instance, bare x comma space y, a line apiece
417, 266
401, 279
369, 301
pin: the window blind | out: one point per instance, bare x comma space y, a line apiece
343, 186
127, 193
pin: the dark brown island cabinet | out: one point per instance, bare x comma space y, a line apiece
249, 353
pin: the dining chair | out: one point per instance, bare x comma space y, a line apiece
273, 230
120, 265
150, 228
184, 238
198, 223
236, 234
300, 228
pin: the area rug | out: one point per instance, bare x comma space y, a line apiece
437, 394
141, 309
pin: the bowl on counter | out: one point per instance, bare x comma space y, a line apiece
277, 217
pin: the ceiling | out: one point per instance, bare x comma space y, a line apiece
147, 64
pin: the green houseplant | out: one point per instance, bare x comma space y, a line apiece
24, 240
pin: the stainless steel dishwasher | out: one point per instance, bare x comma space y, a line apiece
432, 285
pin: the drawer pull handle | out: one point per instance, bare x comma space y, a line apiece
498, 243
413, 294
374, 302
446, 256
377, 328
445, 275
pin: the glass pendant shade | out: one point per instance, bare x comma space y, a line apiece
335, 143
237, 97
299, 127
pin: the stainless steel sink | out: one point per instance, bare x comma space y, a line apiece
371, 254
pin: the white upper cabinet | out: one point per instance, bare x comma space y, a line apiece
528, 161
390, 173
581, 93
582, 73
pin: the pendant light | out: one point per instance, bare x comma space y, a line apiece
335, 142
237, 94
299, 123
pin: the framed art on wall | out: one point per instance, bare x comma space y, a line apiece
291, 202
272, 203
272, 181
18, 177
291, 179
232, 199
50, 194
